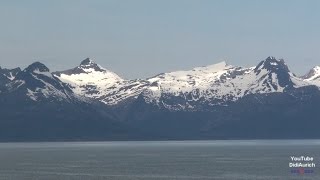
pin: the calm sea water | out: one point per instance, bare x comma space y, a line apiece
261, 159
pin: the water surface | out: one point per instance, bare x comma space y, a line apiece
158, 160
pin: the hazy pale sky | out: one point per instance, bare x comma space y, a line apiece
140, 38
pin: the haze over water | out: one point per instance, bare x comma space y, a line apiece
253, 159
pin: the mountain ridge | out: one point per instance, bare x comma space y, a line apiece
218, 101
217, 82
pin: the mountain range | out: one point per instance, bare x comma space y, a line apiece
218, 101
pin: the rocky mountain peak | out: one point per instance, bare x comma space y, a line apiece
90, 64
314, 73
37, 66
272, 64
87, 62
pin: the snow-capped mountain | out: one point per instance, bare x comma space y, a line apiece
93, 81
37, 106
272, 75
313, 76
37, 83
219, 84
217, 101
211, 85
199, 84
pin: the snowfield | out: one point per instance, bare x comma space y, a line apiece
215, 84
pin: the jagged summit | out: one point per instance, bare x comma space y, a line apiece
37, 66
86, 66
313, 76
272, 58
314, 73
272, 64
87, 62
36, 83
90, 79
275, 74
317, 68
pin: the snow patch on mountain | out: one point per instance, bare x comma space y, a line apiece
313, 76
49, 90
219, 84
215, 84
31, 95
93, 81
185, 81
37, 83
9, 74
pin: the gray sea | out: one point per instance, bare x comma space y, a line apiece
158, 160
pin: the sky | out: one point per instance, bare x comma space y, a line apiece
141, 38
